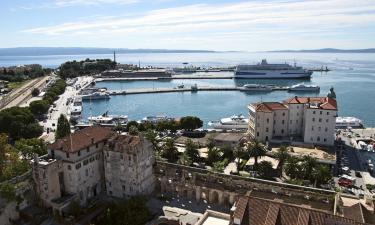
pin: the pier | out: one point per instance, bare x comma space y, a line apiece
192, 89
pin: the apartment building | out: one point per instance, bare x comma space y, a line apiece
308, 119
75, 168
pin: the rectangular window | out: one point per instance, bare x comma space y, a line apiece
320, 119
326, 129
321, 112
78, 165
96, 145
313, 119
85, 162
326, 120
266, 129
79, 153
325, 140
282, 122
67, 155
313, 112
290, 121
268, 120
69, 167
327, 113
88, 149
312, 128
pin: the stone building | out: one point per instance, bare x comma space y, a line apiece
74, 168
128, 166
307, 119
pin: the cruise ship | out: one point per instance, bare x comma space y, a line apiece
234, 122
265, 70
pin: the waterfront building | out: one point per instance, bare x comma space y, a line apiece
75, 170
305, 119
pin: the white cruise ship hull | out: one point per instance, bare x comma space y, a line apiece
218, 125
274, 74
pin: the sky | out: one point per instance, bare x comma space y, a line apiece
222, 25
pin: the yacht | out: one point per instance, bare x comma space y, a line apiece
348, 122
265, 70
233, 122
75, 109
108, 120
303, 87
256, 87
95, 96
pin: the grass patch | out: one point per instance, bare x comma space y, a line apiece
14, 85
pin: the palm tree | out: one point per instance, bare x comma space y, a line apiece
169, 151
282, 155
256, 149
265, 169
321, 175
184, 159
152, 136
191, 149
213, 155
308, 165
238, 154
293, 167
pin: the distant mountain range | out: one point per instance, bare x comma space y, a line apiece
331, 50
40, 51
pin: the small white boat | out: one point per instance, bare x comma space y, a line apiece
256, 87
303, 87
233, 122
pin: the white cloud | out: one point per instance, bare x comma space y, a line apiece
226, 21
64, 3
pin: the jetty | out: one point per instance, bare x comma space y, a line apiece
192, 89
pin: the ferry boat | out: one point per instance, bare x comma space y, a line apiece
265, 70
234, 122
348, 122
303, 87
154, 119
108, 120
256, 87
95, 96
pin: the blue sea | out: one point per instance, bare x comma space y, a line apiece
352, 76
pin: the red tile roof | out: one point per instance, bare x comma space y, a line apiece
123, 141
324, 102
268, 106
81, 139
271, 212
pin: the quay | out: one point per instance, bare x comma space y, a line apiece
172, 77
191, 89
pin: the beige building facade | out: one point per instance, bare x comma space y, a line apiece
309, 119
75, 167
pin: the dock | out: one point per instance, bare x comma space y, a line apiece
192, 89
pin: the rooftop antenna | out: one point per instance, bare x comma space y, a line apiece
114, 56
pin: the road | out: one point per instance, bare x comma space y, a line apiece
61, 108
21, 94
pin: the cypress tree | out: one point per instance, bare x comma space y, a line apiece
63, 127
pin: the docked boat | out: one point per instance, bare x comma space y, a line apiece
303, 87
155, 119
265, 70
108, 120
233, 122
75, 109
95, 96
256, 87
348, 122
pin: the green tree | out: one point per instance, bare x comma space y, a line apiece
184, 159
191, 150
63, 127
130, 124
219, 166
35, 92
238, 154
39, 107
256, 149
133, 130
152, 136
308, 164
293, 168
227, 152
281, 155
8, 191
190, 123
29, 147
4, 149
18, 123
213, 155
321, 174
264, 170
169, 150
